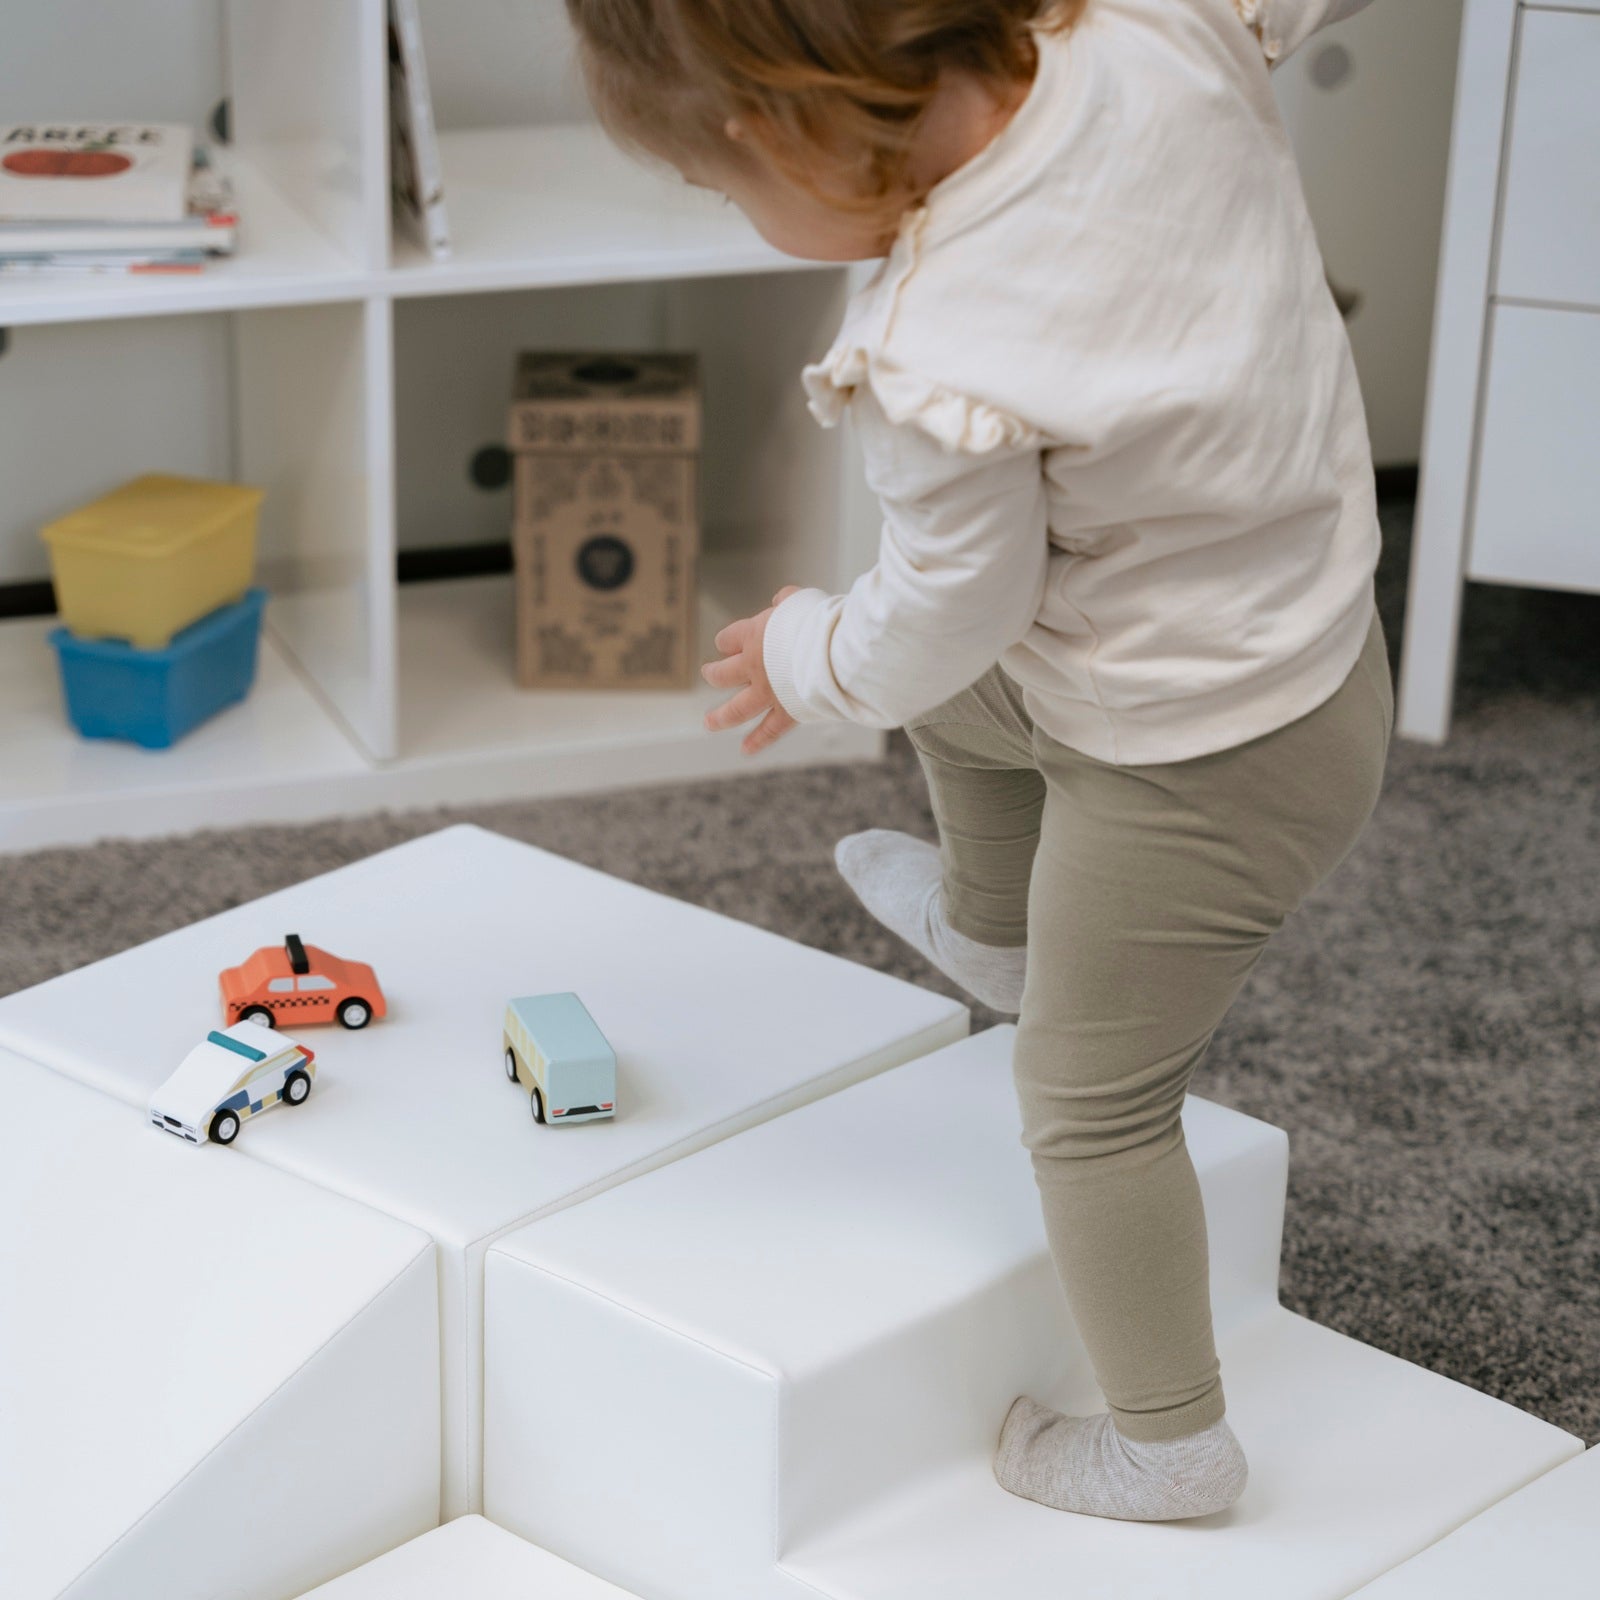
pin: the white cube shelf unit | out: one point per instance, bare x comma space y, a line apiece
334, 364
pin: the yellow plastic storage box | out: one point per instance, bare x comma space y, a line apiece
148, 559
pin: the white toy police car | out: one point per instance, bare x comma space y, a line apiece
232, 1074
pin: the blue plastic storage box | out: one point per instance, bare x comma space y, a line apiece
154, 697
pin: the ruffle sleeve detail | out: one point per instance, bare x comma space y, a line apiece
953, 420
1282, 26
1257, 16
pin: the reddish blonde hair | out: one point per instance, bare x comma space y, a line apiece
832, 90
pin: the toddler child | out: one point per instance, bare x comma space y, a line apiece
1123, 600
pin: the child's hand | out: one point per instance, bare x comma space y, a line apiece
743, 668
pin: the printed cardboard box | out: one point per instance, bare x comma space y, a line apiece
606, 530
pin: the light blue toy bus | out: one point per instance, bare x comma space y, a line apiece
555, 1051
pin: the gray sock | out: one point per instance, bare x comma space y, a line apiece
1084, 1464
899, 880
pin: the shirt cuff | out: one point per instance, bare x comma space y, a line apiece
778, 651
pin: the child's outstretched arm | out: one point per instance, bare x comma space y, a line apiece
1283, 26
959, 579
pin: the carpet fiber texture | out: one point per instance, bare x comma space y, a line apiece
1427, 1029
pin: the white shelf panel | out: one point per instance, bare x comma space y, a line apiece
534, 207
278, 754
529, 208
283, 259
459, 702
465, 726
458, 694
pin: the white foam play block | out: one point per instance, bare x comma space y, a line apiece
778, 1368
716, 1026
220, 1383
1543, 1542
469, 1559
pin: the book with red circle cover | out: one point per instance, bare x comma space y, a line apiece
95, 171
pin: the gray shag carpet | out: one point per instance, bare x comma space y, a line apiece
1427, 1029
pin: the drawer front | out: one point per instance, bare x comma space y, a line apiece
1537, 514
1550, 232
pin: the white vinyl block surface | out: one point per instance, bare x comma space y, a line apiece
716, 1026
778, 1368
1357, 1460
469, 1559
220, 1382
1542, 1542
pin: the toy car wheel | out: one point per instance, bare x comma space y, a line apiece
225, 1127
296, 1087
258, 1014
511, 1065
355, 1013
538, 1106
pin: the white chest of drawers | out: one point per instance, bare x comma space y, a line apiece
1510, 486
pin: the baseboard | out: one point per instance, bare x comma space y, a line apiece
453, 561
37, 599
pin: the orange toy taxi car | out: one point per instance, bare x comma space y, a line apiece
299, 983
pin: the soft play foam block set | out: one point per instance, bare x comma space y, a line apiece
751, 1337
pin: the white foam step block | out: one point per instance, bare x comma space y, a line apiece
716, 1026
778, 1368
1543, 1542
869, 1253
469, 1559
220, 1383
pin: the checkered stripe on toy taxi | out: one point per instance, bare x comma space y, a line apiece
275, 1005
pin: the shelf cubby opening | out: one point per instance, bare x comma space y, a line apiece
536, 193
775, 502
302, 96
83, 407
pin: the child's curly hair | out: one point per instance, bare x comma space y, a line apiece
831, 89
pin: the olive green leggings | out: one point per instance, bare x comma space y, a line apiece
1144, 895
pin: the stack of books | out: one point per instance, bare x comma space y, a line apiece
79, 197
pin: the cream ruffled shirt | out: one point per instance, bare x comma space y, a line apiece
1110, 410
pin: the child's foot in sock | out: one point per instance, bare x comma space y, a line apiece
1084, 1464
899, 880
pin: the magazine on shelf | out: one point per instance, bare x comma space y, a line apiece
94, 171
88, 263
416, 172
